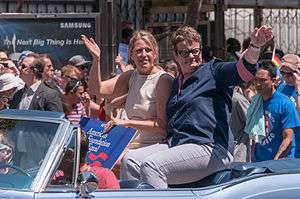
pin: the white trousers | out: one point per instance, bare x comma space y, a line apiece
160, 165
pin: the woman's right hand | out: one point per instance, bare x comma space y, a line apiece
92, 47
297, 80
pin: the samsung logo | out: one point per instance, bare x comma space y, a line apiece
75, 25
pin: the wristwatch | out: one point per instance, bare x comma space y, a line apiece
254, 47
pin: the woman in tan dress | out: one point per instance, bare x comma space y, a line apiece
147, 88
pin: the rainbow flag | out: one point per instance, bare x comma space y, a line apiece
275, 59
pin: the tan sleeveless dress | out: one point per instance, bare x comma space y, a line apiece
141, 105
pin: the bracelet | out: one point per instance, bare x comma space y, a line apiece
254, 48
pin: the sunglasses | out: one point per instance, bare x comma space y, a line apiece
68, 77
285, 73
5, 65
186, 53
22, 66
83, 67
75, 87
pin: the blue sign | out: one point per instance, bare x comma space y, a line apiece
105, 148
123, 52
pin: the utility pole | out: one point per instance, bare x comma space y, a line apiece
258, 17
193, 11
19, 7
107, 36
219, 29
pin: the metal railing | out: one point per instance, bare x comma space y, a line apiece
285, 23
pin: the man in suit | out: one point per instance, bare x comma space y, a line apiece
35, 95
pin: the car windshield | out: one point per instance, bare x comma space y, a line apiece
23, 146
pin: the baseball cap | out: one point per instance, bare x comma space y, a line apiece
8, 81
78, 60
291, 60
24, 54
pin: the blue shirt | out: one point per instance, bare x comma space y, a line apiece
200, 112
290, 91
280, 113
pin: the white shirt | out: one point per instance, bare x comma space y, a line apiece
28, 95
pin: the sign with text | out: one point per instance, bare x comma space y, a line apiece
57, 36
105, 148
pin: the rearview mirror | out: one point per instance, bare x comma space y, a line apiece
88, 182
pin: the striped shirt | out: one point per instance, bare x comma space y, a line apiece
77, 113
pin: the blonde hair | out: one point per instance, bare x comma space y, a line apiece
146, 37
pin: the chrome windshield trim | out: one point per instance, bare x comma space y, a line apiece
52, 157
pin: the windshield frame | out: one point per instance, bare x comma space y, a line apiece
55, 149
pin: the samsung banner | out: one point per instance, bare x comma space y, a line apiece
57, 36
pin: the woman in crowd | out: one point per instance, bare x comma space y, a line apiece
72, 101
198, 111
147, 87
233, 48
290, 71
8, 86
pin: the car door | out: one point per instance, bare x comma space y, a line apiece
67, 190
14, 194
118, 194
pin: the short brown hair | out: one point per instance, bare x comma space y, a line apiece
187, 34
38, 66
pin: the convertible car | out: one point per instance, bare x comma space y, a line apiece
33, 144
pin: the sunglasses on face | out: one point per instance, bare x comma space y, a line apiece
78, 83
186, 53
68, 77
285, 73
5, 65
83, 67
23, 66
